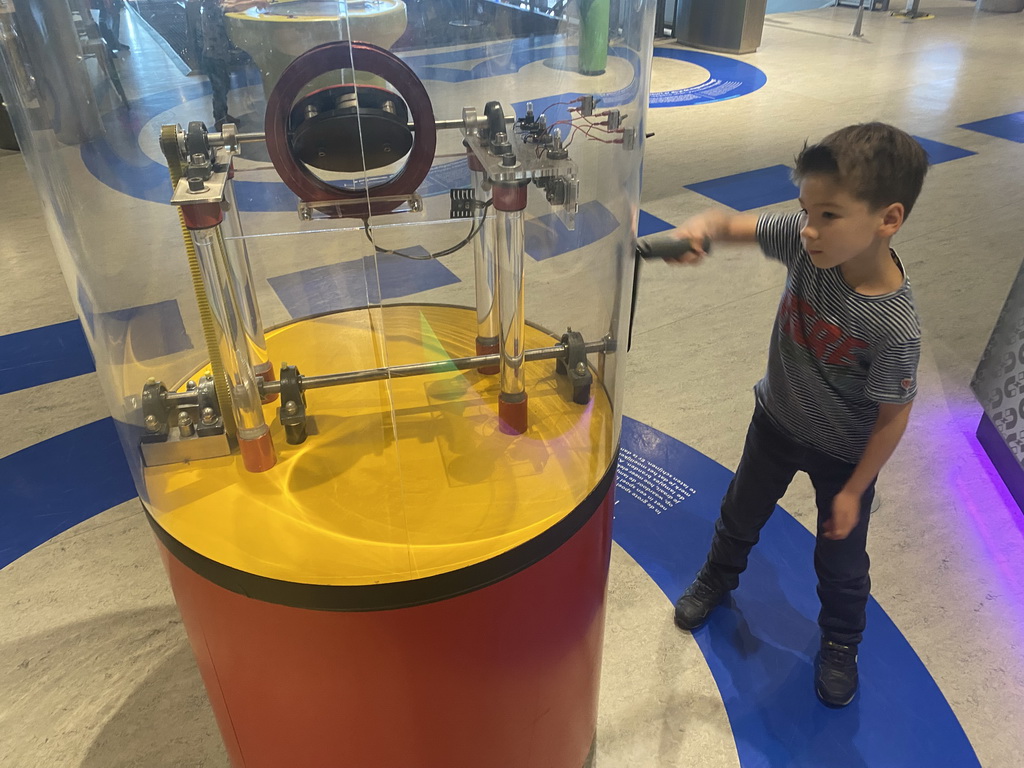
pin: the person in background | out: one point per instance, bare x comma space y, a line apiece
215, 52
110, 24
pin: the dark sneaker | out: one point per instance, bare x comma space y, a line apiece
835, 673
696, 604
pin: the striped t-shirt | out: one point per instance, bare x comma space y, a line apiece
834, 354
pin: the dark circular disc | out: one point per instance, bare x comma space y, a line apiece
339, 142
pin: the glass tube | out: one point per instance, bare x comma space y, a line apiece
511, 302
485, 263
240, 269
253, 431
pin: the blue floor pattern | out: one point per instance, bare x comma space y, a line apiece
43, 355
1010, 127
767, 186
750, 189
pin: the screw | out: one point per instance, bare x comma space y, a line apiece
152, 423
581, 368
208, 415
191, 385
291, 408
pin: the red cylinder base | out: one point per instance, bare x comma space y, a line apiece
505, 676
258, 455
487, 348
512, 415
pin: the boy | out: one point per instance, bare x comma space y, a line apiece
840, 380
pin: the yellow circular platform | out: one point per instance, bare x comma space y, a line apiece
399, 479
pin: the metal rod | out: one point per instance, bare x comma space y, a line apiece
243, 138
402, 371
421, 369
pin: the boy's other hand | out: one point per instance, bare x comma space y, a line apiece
845, 516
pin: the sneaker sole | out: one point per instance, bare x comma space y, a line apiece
834, 705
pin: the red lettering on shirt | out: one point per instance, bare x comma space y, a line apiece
825, 340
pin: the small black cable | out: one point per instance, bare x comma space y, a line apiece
447, 252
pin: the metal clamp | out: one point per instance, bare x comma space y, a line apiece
574, 365
292, 411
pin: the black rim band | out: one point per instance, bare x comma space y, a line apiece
404, 594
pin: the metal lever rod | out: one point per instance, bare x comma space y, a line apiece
402, 371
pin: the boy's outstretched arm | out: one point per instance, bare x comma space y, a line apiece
715, 225
889, 428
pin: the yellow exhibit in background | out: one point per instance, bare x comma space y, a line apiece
399, 479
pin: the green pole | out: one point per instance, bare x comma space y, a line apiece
594, 17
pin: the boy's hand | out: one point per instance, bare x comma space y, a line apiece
698, 230
845, 516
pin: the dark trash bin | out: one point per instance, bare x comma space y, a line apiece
727, 26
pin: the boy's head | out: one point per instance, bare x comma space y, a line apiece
857, 185
876, 163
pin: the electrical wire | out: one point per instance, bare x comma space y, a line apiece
446, 252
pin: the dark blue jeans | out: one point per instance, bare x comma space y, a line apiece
771, 458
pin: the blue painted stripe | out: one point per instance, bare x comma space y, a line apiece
141, 333
1010, 127
760, 646
942, 153
546, 236
751, 189
58, 483
350, 284
727, 79
43, 355
650, 224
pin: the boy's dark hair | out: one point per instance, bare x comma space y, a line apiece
875, 162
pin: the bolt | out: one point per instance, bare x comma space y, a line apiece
291, 408
152, 423
185, 425
581, 368
208, 415
191, 385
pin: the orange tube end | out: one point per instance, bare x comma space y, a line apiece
487, 348
258, 454
268, 373
512, 415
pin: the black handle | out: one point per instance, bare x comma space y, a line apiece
662, 245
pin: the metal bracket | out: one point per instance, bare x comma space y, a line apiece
574, 365
155, 412
197, 431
